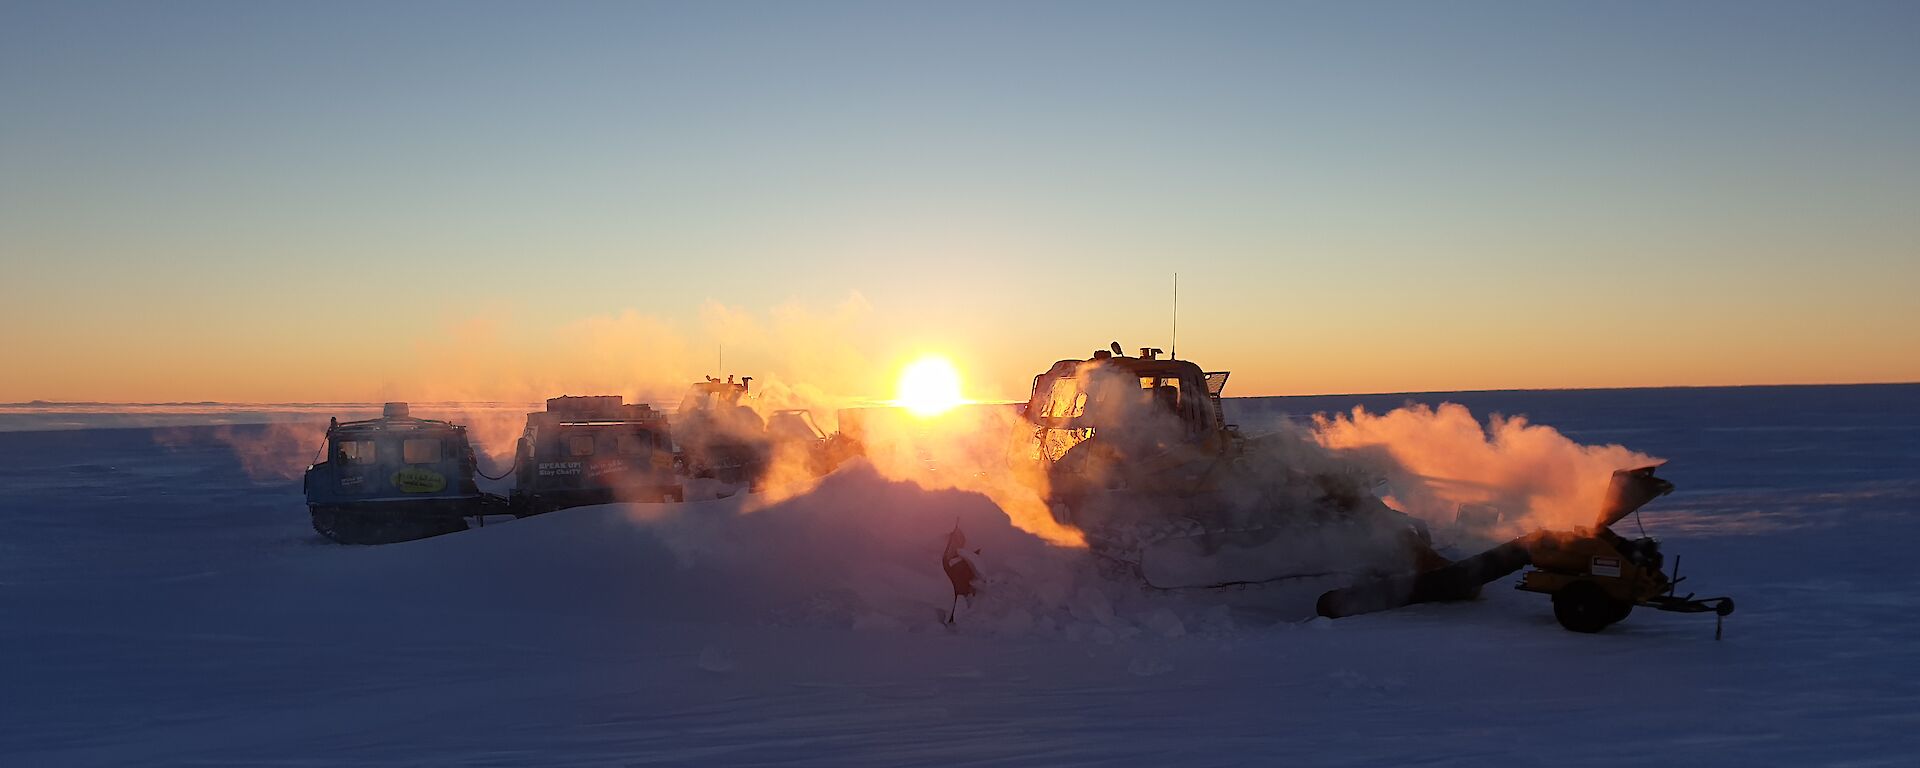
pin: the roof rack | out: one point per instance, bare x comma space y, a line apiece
577, 409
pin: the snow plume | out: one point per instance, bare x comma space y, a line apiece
267, 453
863, 551
971, 448
981, 448
506, 359
978, 448
493, 429
812, 363
1439, 459
282, 450
797, 355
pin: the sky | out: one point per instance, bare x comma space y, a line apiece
287, 202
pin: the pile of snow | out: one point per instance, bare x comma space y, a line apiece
168, 608
858, 552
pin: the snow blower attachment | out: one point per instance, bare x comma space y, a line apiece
1138, 456
395, 478
1595, 576
593, 450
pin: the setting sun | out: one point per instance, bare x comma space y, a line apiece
929, 386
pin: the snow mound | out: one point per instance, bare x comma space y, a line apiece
859, 551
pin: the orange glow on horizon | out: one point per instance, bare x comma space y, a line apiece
827, 354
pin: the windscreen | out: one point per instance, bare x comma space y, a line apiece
420, 450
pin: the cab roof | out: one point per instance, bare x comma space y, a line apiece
391, 425
1139, 366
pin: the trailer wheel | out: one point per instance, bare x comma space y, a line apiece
1622, 609
1584, 607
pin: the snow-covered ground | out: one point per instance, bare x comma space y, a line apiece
160, 605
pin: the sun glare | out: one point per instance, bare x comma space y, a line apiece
929, 386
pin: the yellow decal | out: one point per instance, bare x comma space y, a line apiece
416, 480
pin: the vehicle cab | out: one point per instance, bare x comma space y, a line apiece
720, 437
388, 477
594, 450
1136, 399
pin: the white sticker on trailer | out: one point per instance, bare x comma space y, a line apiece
1605, 566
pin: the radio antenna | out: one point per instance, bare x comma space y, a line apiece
1174, 353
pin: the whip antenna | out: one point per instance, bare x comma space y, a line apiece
1174, 354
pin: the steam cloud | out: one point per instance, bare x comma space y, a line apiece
1436, 460
272, 452
1439, 459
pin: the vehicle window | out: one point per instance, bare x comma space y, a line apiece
356, 451
1065, 400
580, 445
1166, 392
797, 426
420, 450
635, 443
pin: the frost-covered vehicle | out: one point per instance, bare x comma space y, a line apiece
1146, 424
1137, 454
395, 478
594, 450
720, 437
793, 433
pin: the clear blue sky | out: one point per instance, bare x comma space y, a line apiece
236, 200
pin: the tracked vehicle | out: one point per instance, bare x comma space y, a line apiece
1137, 454
722, 438
792, 432
593, 450
1137, 423
395, 478
719, 437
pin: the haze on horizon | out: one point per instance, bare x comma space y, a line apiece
272, 202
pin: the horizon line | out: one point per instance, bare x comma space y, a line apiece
320, 403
